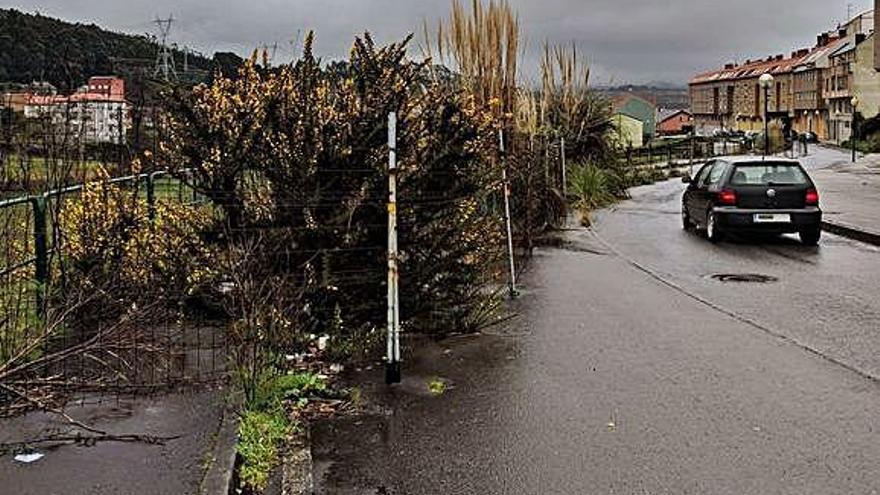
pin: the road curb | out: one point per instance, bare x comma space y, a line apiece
851, 232
221, 460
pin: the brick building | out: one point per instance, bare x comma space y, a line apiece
812, 88
674, 122
732, 98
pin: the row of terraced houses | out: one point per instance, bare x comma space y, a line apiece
813, 89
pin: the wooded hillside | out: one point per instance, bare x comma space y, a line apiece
34, 47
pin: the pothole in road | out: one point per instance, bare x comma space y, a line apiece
747, 278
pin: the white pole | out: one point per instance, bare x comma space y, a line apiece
507, 221
392, 371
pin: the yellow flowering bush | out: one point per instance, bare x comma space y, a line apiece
108, 238
297, 155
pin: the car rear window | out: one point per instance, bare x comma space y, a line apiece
764, 174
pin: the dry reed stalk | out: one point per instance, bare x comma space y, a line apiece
482, 44
565, 96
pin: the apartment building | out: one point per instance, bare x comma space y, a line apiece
839, 83
812, 88
808, 83
96, 114
732, 98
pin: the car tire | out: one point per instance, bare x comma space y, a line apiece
686, 221
810, 237
713, 231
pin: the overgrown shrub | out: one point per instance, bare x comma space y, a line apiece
297, 156
109, 239
592, 188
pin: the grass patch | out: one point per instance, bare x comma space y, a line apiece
259, 436
437, 386
266, 423
20, 320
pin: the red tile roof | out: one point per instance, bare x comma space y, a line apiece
100, 89
41, 100
750, 70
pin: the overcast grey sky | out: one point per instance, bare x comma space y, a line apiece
627, 41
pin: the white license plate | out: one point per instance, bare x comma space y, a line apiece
772, 218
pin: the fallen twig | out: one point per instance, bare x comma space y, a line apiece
53, 410
55, 441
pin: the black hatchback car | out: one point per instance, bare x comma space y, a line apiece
752, 196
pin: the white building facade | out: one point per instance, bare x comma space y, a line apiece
96, 114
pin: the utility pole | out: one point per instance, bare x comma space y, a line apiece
165, 57
392, 368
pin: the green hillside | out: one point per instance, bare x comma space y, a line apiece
35, 47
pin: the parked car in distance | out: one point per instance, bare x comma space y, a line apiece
751, 195
811, 137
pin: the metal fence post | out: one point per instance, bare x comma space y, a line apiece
691, 152
507, 220
41, 250
392, 370
151, 196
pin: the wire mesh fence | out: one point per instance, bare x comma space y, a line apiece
48, 356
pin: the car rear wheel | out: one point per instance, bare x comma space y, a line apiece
810, 237
713, 231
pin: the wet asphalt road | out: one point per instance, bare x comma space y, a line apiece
632, 371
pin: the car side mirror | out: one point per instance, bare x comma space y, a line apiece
687, 179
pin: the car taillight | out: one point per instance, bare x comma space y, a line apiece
727, 197
812, 197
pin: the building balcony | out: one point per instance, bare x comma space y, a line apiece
841, 117
835, 94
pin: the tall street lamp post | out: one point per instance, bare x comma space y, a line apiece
853, 131
766, 81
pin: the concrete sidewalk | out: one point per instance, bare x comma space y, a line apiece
198, 462
851, 198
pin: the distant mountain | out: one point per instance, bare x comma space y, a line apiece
667, 96
34, 47
665, 85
